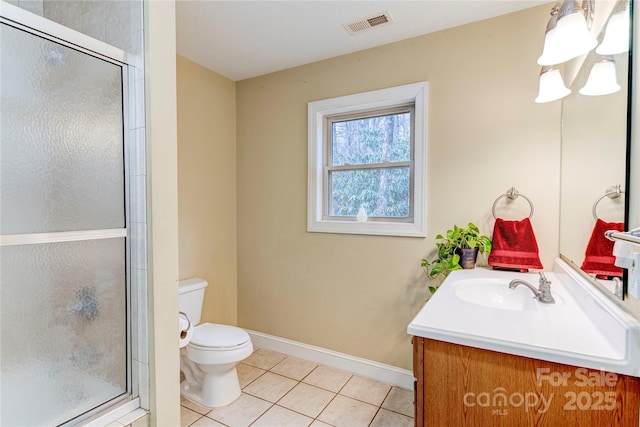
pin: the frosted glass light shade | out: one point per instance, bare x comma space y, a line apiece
616, 35
570, 39
551, 87
549, 51
602, 79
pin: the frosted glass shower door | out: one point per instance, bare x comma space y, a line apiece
63, 254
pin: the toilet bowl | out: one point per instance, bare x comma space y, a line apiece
209, 360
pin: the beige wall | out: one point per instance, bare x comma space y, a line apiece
207, 186
162, 188
356, 294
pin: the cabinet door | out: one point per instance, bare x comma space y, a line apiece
465, 386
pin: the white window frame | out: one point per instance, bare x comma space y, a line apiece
415, 93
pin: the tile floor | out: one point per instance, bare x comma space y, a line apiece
280, 390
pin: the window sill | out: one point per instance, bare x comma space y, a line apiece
376, 228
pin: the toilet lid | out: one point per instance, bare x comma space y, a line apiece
218, 336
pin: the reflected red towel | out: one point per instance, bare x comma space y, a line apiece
598, 258
514, 245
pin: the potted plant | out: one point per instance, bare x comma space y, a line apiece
466, 242
457, 249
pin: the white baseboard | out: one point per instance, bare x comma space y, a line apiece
387, 374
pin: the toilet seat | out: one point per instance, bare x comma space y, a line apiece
212, 336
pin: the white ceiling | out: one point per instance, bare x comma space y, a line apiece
241, 39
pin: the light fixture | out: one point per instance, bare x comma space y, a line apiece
616, 35
550, 36
569, 37
602, 78
552, 86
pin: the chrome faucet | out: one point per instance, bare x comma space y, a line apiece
542, 294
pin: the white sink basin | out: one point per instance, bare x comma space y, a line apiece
495, 293
583, 328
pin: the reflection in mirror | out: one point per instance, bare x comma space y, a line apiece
593, 175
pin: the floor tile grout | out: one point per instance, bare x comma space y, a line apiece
378, 407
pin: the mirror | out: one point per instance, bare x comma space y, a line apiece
593, 174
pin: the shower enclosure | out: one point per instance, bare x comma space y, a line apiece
64, 248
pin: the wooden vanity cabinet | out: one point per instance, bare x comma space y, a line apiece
466, 386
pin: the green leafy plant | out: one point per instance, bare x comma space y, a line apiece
447, 259
439, 266
465, 238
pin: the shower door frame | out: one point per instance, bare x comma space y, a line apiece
136, 335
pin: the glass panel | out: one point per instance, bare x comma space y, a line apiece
61, 131
371, 140
115, 22
63, 336
382, 192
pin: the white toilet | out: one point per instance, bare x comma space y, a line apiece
209, 360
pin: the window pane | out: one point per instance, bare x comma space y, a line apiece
372, 140
382, 192
61, 151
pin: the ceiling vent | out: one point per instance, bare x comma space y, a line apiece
368, 23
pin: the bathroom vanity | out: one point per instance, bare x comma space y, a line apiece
465, 386
487, 355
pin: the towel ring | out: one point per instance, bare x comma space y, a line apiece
612, 193
511, 194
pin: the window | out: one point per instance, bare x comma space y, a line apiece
367, 152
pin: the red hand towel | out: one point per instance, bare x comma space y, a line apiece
514, 245
598, 258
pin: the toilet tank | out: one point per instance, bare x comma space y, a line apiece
191, 297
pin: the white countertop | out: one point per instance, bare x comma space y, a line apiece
583, 329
